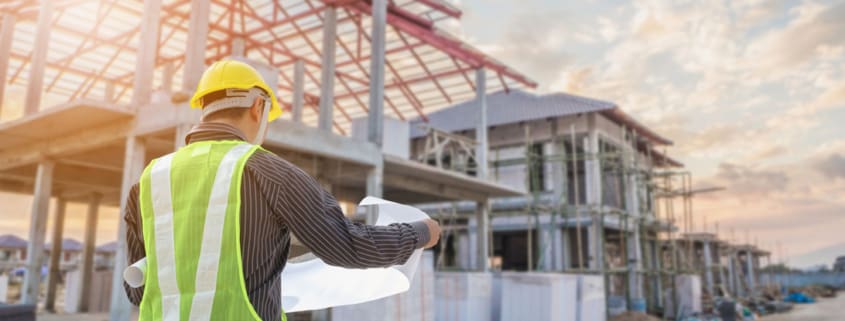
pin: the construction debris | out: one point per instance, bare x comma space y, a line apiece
634, 316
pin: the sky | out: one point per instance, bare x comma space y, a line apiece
751, 92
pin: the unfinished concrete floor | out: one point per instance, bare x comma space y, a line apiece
823, 310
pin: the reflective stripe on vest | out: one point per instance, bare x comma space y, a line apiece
166, 265
194, 253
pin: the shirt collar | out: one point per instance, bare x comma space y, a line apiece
214, 131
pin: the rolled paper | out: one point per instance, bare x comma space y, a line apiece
313, 284
134, 274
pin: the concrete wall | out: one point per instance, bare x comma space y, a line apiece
538, 297
836, 279
396, 135
415, 305
463, 296
100, 295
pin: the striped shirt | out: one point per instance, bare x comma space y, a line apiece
278, 199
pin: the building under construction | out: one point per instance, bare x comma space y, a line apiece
92, 90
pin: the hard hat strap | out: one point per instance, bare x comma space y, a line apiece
259, 136
235, 98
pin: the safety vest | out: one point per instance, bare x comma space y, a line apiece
190, 207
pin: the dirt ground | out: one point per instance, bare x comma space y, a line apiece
823, 310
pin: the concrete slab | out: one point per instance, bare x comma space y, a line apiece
59, 120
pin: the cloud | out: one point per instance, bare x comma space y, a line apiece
832, 166
748, 183
767, 153
812, 26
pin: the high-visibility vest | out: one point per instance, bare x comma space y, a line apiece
190, 207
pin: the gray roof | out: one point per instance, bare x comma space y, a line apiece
10, 241
110, 247
507, 107
67, 245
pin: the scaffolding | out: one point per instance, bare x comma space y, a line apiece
613, 223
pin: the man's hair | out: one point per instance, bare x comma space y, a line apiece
223, 114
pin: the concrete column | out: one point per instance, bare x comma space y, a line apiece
658, 280
557, 256
238, 47
182, 131
37, 231
558, 172
632, 206
195, 48
593, 244
635, 264
108, 92
723, 280
167, 77
592, 165
133, 165
749, 264
147, 49
7, 31
472, 242
566, 257
38, 60
55, 255
732, 275
298, 90
462, 251
327, 69
375, 118
375, 183
481, 150
708, 268
482, 215
88, 250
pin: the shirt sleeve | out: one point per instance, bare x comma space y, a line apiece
314, 216
134, 241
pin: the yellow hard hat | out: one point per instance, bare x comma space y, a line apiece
233, 74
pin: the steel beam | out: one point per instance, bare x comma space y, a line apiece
88, 251
38, 61
55, 255
133, 165
195, 47
7, 30
298, 90
375, 119
37, 231
327, 69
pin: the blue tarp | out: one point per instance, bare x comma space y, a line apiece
798, 297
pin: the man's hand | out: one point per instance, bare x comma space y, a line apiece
433, 233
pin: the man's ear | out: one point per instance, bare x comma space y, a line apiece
257, 109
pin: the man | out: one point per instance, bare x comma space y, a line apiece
215, 218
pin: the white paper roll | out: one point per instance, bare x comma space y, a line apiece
314, 285
134, 274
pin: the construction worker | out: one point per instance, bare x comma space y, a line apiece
214, 219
